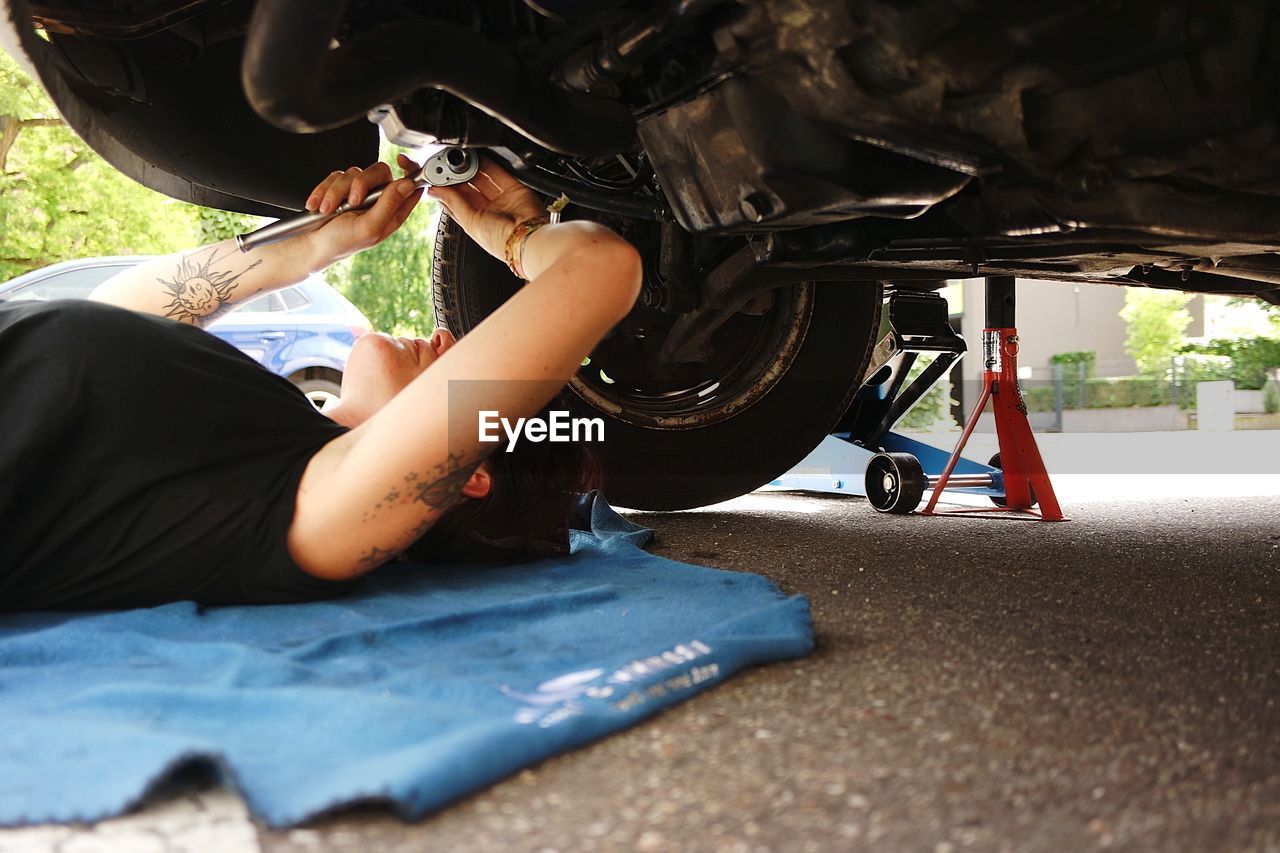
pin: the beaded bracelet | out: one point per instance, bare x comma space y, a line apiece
514, 248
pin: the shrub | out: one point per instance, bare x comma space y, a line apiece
1119, 392
1126, 392
1194, 368
1071, 364
1038, 397
1156, 320
1068, 360
933, 411
1251, 358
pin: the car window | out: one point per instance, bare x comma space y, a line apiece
294, 299
72, 284
264, 303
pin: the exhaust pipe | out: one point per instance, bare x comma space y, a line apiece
297, 82
622, 50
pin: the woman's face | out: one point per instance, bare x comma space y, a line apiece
380, 366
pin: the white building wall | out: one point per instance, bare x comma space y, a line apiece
1056, 317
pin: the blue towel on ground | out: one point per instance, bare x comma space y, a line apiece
425, 685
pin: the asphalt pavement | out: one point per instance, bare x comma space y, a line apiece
983, 684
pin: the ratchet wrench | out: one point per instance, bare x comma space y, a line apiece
448, 167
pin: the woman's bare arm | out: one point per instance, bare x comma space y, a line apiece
371, 492
200, 285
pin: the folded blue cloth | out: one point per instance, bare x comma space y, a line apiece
425, 685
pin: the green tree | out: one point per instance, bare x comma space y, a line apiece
59, 200
1156, 322
1273, 311
215, 225
932, 412
391, 283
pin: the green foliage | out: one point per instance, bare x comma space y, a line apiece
215, 225
1272, 310
933, 411
1038, 396
1127, 392
1075, 366
1245, 361
1251, 358
1070, 359
1196, 367
391, 283
59, 200
1271, 396
1156, 321
1120, 392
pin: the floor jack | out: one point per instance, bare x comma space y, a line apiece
895, 478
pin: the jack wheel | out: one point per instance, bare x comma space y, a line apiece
895, 482
994, 462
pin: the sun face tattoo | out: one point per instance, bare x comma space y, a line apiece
200, 292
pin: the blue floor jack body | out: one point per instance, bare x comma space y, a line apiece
838, 465
865, 457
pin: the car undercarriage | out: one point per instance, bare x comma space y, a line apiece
764, 154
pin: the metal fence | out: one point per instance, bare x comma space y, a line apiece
1059, 387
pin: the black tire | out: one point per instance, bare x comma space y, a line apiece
994, 462
321, 392
895, 483
673, 459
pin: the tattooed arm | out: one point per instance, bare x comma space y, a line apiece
374, 490
200, 285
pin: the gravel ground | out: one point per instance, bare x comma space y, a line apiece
978, 684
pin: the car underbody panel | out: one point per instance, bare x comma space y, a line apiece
1125, 142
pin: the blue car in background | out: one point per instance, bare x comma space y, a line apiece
303, 333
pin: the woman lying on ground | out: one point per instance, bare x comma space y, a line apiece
144, 461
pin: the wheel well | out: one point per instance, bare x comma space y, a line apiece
316, 373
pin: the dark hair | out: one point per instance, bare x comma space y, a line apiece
526, 514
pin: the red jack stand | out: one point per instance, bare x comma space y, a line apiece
1026, 482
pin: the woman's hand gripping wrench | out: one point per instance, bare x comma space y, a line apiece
448, 167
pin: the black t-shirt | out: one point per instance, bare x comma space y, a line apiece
143, 461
